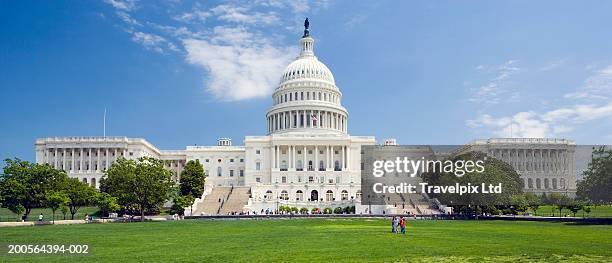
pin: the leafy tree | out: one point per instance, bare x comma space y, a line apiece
79, 194
575, 206
107, 203
495, 172
139, 186
559, 201
519, 204
597, 183
180, 202
55, 200
64, 209
192, 179
23, 185
587, 210
533, 202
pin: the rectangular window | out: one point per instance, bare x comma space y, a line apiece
284, 179
258, 166
258, 179
231, 173
310, 179
242, 160
257, 151
231, 160
241, 173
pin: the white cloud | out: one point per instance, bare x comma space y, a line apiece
597, 86
152, 41
548, 124
553, 64
239, 72
494, 90
238, 59
125, 5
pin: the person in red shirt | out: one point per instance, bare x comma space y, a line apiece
403, 225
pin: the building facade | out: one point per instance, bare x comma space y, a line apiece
546, 165
306, 159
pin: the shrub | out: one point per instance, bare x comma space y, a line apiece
347, 210
338, 210
303, 210
294, 209
327, 210
315, 210
352, 209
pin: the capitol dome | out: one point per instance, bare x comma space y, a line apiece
307, 98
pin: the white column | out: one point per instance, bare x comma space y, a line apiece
81, 161
107, 164
331, 160
304, 166
99, 165
316, 158
348, 157
72, 161
89, 159
343, 159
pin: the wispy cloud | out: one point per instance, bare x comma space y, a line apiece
560, 119
495, 88
552, 123
598, 86
552, 65
238, 59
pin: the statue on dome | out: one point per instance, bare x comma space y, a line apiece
306, 26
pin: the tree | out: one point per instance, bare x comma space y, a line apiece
597, 183
519, 203
64, 209
107, 203
139, 186
575, 206
587, 210
559, 201
533, 202
23, 185
79, 194
55, 200
192, 179
180, 202
495, 172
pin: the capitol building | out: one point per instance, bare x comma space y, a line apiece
307, 159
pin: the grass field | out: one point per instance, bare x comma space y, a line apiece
7, 215
596, 211
308, 240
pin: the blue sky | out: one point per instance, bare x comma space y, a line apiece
181, 73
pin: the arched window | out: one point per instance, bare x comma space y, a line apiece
219, 171
321, 166
268, 195
358, 195
546, 184
530, 183
337, 165
344, 195
299, 195
538, 183
310, 168
329, 196
93, 182
284, 195
554, 183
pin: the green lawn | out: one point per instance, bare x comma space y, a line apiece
7, 215
308, 240
596, 211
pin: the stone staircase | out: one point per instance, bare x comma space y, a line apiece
212, 202
224, 200
238, 198
410, 203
